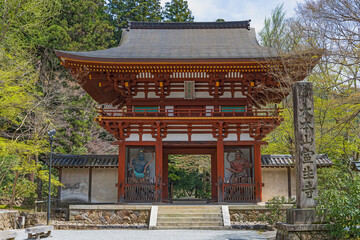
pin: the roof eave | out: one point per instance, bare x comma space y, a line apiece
72, 57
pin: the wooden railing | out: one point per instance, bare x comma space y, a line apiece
239, 190
248, 112
140, 190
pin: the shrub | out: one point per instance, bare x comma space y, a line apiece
339, 200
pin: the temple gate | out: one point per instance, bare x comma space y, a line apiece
188, 87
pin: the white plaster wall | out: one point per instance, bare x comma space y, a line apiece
238, 95
76, 182
276, 183
176, 137
226, 95
103, 187
243, 137
139, 95
202, 95
293, 183
145, 137
176, 95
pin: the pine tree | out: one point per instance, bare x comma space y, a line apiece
123, 11
177, 11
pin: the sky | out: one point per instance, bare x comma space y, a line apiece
237, 10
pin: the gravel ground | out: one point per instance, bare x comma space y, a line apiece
151, 235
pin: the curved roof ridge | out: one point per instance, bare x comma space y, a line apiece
189, 25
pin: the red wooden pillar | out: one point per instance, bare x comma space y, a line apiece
165, 189
257, 166
121, 172
220, 169
159, 169
214, 194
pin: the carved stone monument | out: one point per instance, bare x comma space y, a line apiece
305, 151
302, 222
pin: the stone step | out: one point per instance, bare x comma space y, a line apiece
187, 202
190, 207
187, 219
189, 211
190, 224
189, 215
190, 227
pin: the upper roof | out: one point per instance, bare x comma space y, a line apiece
190, 40
61, 161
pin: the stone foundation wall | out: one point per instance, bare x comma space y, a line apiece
306, 235
110, 216
32, 219
8, 219
246, 215
241, 214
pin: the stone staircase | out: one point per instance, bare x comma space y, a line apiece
190, 217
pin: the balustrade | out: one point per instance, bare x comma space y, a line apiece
249, 112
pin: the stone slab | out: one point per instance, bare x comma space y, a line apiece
8, 235
303, 216
153, 217
301, 227
40, 229
226, 216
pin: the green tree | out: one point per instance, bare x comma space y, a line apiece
330, 25
81, 25
21, 27
274, 32
189, 176
123, 11
177, 11
339, 197
36, 93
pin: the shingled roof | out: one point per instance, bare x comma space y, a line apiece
194, 40
322, 160
62, 161
108, 161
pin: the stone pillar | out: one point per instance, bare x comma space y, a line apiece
302, 222
305, 151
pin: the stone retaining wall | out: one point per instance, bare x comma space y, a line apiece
245, 214
32, 219
8, 219
123, 215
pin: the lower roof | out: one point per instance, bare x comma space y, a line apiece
111, 161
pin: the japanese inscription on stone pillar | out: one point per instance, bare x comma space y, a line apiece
305, 152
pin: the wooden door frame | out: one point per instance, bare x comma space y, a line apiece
189, 150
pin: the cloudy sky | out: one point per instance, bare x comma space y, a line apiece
235, 10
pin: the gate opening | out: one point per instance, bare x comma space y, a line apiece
189, 177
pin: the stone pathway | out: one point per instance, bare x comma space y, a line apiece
152, 235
